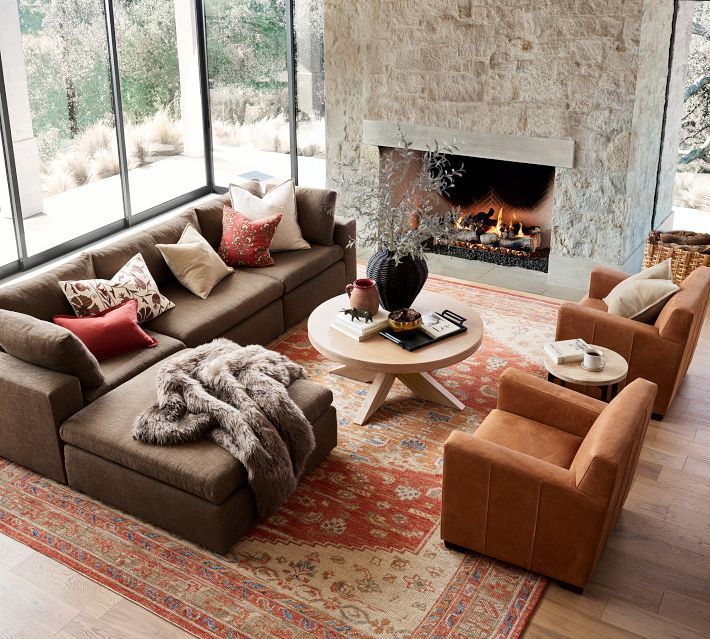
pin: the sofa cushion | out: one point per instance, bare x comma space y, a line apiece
49, 346
195, 321
40, 295
313, 399
293, 268
201, 468
530, 437
120, 369
109, 259
104, 428
210, 216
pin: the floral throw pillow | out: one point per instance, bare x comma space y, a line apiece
132, 282
246, 242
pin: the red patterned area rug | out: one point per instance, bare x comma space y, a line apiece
355, 553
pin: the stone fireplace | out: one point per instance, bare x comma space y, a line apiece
577, 85
502, 202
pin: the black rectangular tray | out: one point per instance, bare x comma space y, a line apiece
415, 339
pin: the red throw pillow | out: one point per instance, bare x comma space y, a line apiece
246, 242
111, 332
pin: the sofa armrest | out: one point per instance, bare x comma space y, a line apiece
34, 403
345, 234
534, 398
602, 280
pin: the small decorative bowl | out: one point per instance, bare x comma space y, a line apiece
404, 319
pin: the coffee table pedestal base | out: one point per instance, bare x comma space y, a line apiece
423, 385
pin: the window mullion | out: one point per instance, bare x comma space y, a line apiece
292, 91
13, 185
118, 109
201, 23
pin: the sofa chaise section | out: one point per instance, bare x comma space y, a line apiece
197, 489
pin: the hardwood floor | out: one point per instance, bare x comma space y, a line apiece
653, 579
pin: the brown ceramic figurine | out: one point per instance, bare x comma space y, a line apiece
363, 295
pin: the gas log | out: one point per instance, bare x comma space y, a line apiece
528, 243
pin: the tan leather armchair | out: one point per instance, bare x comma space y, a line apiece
660, 352
541, 482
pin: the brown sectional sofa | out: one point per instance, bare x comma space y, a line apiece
82, 436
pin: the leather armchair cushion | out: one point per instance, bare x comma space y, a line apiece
529, 437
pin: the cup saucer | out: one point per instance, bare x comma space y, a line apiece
593, 370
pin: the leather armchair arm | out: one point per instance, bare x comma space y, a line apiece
534, 398
344, 233
34, 403
603, 279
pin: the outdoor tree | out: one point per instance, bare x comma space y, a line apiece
694, 150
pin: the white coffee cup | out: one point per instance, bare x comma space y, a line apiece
593, 359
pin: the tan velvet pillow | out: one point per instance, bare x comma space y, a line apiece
279, 201
640, 298
194, 262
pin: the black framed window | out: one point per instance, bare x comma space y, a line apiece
114, 111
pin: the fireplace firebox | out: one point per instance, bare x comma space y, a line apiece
503, 212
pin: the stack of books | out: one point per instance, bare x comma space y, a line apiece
359, 329
566, 351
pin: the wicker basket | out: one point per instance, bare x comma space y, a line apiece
683, 261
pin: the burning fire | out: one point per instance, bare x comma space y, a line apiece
483, 230
496, 229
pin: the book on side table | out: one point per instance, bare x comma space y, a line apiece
566, 351
359, 329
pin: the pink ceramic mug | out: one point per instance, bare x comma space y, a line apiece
363, 295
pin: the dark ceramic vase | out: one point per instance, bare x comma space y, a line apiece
398, 284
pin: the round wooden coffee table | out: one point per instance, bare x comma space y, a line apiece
608, 378
379, 361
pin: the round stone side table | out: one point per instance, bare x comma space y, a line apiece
607, 379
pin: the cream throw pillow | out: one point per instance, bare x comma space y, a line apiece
281, 200
194, 262
642, 296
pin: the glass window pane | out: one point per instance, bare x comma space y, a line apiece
8, 246
310, 127
55, 58
246, 58
160, 90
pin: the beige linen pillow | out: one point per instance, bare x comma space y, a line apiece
642, 296
194, 262
278, 201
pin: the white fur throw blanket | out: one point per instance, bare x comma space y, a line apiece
236, 396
